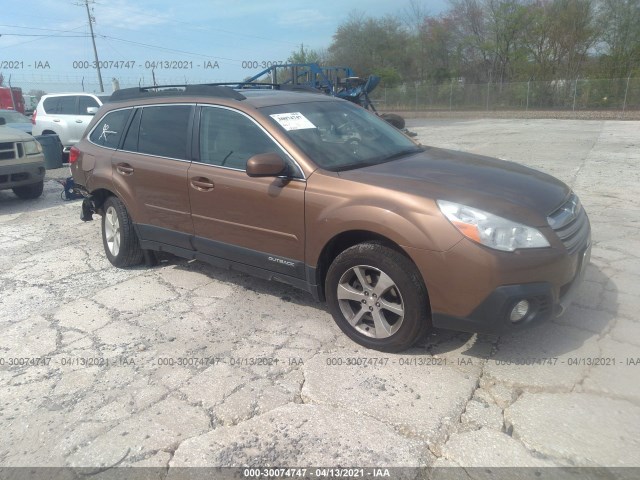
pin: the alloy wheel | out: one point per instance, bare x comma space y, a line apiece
112, 231
370, 301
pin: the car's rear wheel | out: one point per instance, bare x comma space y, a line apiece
377, 297
119, 236
27, 192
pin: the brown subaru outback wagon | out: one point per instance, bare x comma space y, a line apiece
323, 195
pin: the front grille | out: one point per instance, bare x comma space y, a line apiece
7, 151
19, 177
571, 224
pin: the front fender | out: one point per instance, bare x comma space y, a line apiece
416, 229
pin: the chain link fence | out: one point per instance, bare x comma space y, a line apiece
612, 95
582, 94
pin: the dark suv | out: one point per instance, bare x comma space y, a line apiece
318, 193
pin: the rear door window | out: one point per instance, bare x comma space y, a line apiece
164, 131
67, 105
51, 105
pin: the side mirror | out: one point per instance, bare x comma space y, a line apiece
92, 110
266, 165
2, 121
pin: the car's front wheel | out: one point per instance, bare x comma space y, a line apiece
119, 236
27, 192
377, 297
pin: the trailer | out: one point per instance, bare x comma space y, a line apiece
11, 99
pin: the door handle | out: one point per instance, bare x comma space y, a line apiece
124, 169
202, 184
57, 120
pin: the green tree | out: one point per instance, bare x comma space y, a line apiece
506, 20
619, 21
576, 34
439, 47
368, 45
472, 42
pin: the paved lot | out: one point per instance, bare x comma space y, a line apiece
188, 365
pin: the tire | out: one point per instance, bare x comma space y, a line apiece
118, 235
27, 192
395, 120
389, 317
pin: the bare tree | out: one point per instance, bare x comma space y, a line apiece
470, 27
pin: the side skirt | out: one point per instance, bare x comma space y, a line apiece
235, 266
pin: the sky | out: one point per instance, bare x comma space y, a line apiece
47, 42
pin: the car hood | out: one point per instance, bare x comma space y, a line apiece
503, 188
24, 127
11, 134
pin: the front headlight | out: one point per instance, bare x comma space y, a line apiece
491, 230
32, 147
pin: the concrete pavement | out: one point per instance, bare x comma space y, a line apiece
188, 365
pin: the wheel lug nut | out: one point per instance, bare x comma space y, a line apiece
371, 309
366, 294
364, 301
377, 305
375, 296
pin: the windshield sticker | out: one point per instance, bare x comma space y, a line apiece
292, 121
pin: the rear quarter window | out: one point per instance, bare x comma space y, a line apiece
50, 104
108, 131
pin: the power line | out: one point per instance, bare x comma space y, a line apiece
43, 29
166, 49
34, 40
40, 35
206, 27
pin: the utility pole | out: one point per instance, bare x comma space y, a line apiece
93, 40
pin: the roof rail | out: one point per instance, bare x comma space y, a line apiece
207, 89
269, 86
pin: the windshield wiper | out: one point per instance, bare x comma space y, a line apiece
401, 153
379, 160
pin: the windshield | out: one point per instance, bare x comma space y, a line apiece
339, 135
14, 117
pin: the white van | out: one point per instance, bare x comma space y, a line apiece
30, 104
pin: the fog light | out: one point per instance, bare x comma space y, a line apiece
519, 311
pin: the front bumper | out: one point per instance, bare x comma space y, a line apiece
20, 174
492, 316
474, 289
